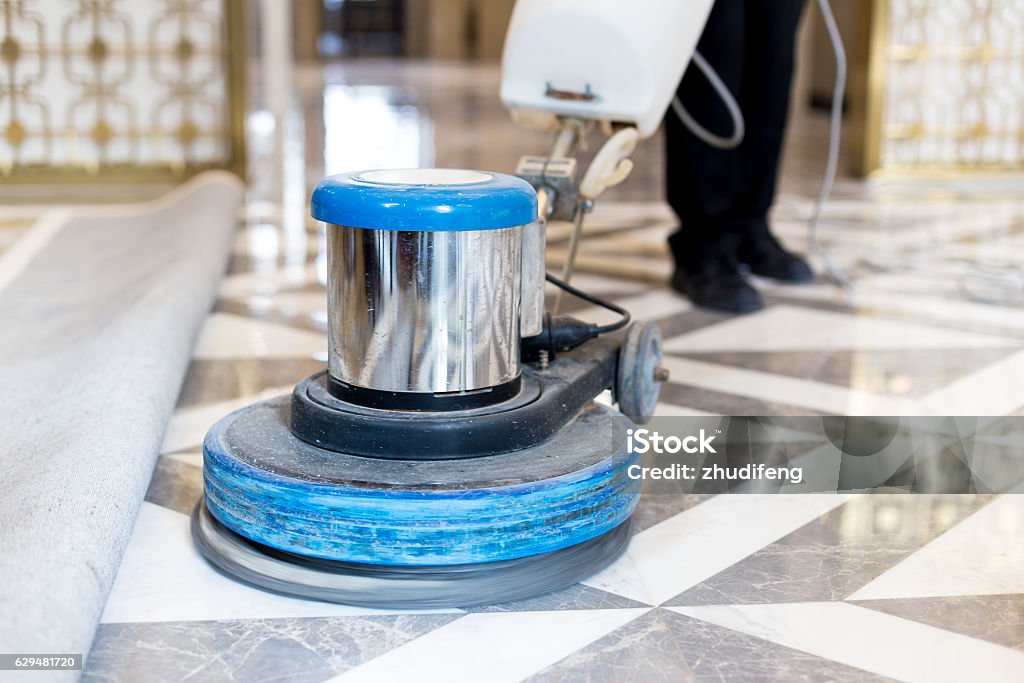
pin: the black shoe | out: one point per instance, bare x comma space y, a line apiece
762, 253
718, 285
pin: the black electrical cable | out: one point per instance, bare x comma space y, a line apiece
590, 298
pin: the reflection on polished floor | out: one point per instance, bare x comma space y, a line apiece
737, 587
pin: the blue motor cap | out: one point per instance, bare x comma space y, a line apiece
427, 199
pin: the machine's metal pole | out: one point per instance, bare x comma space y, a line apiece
568, 138
534, 270
582, 209
566, 142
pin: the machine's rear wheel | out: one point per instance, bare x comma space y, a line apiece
636, 384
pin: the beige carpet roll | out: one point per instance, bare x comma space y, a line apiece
99, 309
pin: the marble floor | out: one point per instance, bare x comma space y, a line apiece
713, 587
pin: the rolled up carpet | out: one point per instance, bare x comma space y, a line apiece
99, 309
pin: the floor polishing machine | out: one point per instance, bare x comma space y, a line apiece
452, 452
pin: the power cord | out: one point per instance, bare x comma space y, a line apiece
702, 133
590, 298
833, 273
564, 333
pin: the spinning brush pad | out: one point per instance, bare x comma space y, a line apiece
394, 587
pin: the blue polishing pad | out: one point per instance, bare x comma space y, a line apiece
267, 485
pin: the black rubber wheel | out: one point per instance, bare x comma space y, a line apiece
636, 388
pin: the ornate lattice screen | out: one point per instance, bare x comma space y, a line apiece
946, 85
135, 89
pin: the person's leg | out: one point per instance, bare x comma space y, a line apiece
701, 181
770, 35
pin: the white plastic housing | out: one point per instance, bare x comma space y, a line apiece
631, 54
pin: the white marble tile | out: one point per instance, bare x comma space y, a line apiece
494, 647
869, 640
814, 291
268, 282
225, 335
788, 328
313, 304
188, 426
602, 285
904, 222
672, 556
663, 409
619, 214
651, 305
652, 242
162, 577
267, 244
992, 390
982, 555
918, 298
803, 393
1007, 251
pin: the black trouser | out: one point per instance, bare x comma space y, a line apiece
718, 193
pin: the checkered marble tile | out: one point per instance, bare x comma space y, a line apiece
712, 587
742, 587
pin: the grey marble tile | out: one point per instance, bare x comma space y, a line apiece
678, 393
665, 646
837, 553
995, 618
911, 372
307, 650
175, 485
578, 597
210, 381
690, 321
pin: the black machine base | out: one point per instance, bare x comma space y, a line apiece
408, 401
546, 401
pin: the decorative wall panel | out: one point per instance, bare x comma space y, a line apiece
119, 88
949, 80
